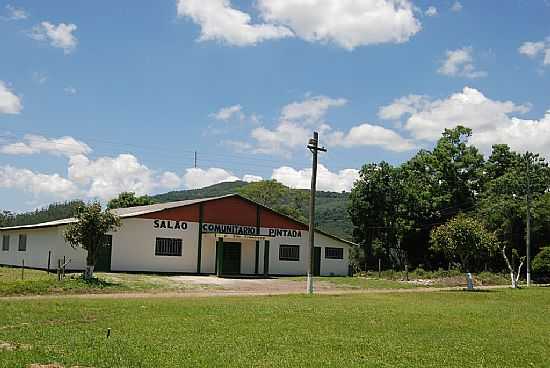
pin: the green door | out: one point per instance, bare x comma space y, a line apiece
317, 261
103, 263
231, 258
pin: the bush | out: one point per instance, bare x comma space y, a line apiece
541, 262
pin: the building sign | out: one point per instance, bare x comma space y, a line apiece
249, 231
168, 224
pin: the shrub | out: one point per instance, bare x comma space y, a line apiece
541, 262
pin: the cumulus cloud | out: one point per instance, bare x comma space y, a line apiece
37, 183
459, 63
252, 178
219, 21
60, 36
198, 178
371, 135
492, 121
229, 112
431, 11
456, 7
105, 177
33, 144
311, 110
535, 49
10, 103
326, 180
15, 13
298, 119
346, 23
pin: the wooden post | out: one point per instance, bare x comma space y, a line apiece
58, 269
23, 271
379, 268
49, 260
63, 268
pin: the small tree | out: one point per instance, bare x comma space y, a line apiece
89, 232
129, 199
462, 238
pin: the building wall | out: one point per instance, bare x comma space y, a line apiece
40, 242
134, 247
134, 250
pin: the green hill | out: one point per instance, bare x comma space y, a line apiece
331, 207
331, 210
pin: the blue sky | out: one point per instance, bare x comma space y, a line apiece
99, 97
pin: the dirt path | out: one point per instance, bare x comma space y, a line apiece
240, 293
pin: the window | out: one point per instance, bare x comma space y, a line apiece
168, 247
22, 242
289, 252
6, 242
334, 253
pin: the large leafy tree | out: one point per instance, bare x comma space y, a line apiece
89, 232
502, 205
275, 195
129, 199
463, 239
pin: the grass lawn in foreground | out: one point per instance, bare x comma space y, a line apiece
500, 328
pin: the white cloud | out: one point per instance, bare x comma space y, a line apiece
431, 11
252, 178
219, 21
534, 49
312, 110
227, 113
492, 121
346, 23
372, 135
298, 119
37, 183
60, 36
15, 13
10, 103
198, 178
457, 6
71, 91
33, 144
169, 180
105, 177
404, 105
326, 180
459, 63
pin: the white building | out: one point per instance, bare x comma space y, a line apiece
227, 235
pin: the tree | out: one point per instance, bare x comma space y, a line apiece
89, 232
275, 195
462, 238
129, 199
541, 262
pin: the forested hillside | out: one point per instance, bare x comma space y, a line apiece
54, 211
331, 213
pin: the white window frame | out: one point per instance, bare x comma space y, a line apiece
22, 240
6, 242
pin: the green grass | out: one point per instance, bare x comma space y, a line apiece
504, 328
359, 282
35, 282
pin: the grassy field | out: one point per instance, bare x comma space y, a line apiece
35, 282
504, 328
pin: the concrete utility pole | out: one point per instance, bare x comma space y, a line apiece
195, 159
528, 237
314, 148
